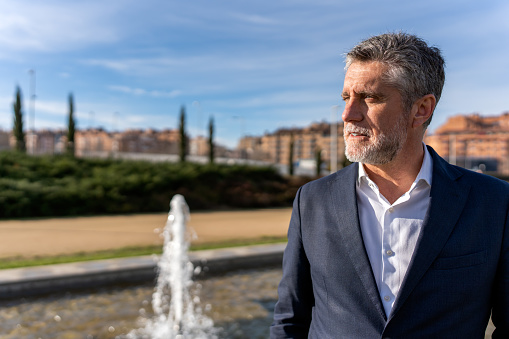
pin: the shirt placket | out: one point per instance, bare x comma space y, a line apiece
390, 277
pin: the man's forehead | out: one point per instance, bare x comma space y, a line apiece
372, 69
365, 75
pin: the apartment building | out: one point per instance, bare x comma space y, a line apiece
46, 141
275, 147
475, 142
98, 142
5, 143
94, 142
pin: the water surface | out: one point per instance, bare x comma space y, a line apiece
240, 303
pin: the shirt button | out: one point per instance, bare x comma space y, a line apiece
387, 298
391, 210
389, 253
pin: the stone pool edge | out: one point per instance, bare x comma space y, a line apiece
39, 280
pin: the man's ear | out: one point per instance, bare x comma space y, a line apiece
422, 110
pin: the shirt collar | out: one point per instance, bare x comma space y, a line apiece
425, 174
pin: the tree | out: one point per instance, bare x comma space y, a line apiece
211, 140
182, 133
71, 127
290, 156
318, 159
17, 129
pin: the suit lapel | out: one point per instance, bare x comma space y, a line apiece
344, 198
446, 192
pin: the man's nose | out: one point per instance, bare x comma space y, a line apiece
352, 111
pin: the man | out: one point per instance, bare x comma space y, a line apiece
400, 244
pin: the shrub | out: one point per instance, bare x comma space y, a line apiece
35, 186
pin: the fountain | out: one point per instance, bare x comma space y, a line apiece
242, 300
176, 313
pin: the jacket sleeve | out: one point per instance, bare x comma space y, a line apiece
292, 313
500, 296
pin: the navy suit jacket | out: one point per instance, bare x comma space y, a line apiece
458, 275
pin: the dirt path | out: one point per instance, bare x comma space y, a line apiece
45, 237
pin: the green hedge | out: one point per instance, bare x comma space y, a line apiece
35, 186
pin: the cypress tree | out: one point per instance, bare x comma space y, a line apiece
290, 156
318, 159
211, 140
182, 133
71, 127
17, 129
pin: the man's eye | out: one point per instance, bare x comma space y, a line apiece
372, 98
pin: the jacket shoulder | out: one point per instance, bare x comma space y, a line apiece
463, 175
347, 173
484, 182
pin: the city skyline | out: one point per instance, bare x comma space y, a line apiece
255, 67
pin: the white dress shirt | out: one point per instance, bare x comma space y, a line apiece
390, 232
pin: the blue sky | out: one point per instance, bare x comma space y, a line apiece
254, 66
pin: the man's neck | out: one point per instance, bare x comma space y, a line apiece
396, 178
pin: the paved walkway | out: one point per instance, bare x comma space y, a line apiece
47, 237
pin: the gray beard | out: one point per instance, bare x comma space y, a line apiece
382, 150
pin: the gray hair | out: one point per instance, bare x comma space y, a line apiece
414, 68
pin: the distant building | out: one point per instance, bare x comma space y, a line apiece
46, 141
199, 146
92, 142
474, 142
275, 147
101, 143
5, 140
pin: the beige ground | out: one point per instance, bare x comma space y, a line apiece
71, 235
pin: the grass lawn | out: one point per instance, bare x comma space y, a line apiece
17, 262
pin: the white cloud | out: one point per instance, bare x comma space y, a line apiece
141, 91
254, 19
216, 72
50, 27
55, 108
128, 90
281, 99
48, 114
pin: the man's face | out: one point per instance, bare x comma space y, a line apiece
376, 123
